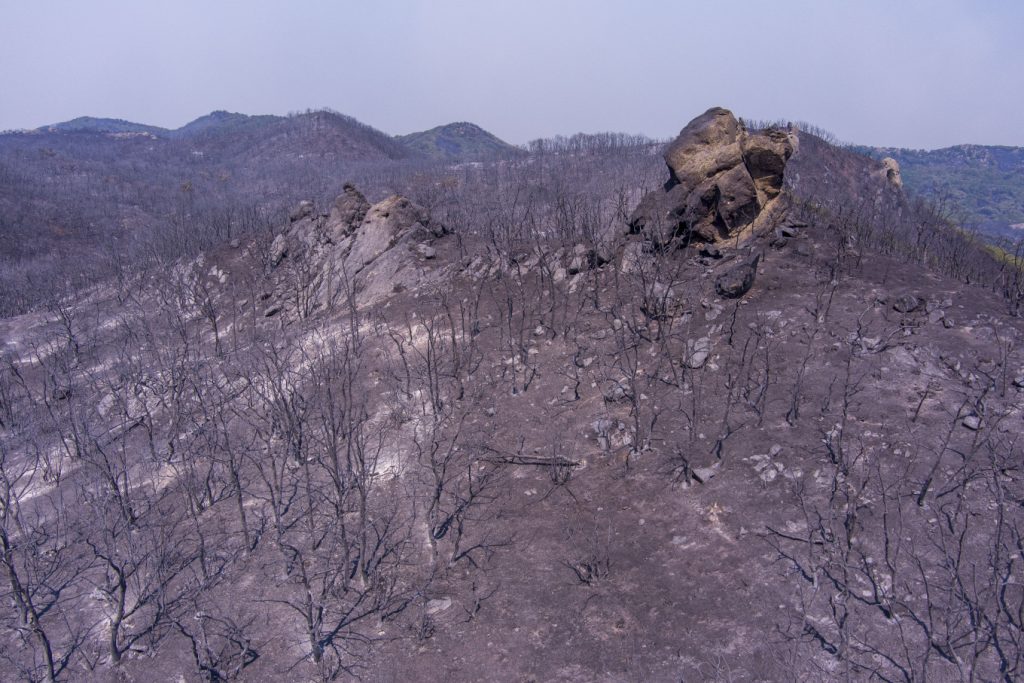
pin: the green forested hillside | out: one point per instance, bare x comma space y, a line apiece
985, 183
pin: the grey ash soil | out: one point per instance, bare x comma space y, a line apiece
693, 592
686, 588
654, 450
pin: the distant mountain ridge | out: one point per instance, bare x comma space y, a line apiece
220, 119
215, 120
459, 141
103, 125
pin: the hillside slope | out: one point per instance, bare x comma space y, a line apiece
745, 434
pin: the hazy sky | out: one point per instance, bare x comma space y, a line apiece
911, 73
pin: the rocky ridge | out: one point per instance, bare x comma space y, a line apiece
356, 249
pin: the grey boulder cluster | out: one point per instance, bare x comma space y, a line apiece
367, 251
722, 180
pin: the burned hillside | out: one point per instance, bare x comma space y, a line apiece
755, 418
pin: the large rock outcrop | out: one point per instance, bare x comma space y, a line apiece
368, 250
706, 146
348, 212
384, 224
891, 169
722, 179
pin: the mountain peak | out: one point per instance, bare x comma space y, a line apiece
94, 124
220, 119
458, 141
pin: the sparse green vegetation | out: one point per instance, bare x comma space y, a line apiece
985, 184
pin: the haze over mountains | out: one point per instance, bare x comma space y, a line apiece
457, 141
108, 186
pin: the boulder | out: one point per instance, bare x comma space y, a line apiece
707, 145
697, 352
304, 208
908, 303
659, 215
583, 258
789, 231
704, 474
372, 252
698, 215
384, 224
278, 250
737, 198
738, 280
603, 428
633, 257
348, 212
615, 394
722, 180
385, 254
438, 605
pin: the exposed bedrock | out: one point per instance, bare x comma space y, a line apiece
722, 180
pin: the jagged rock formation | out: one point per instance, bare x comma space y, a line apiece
722, 180
892, 171
357, 248
348, 212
